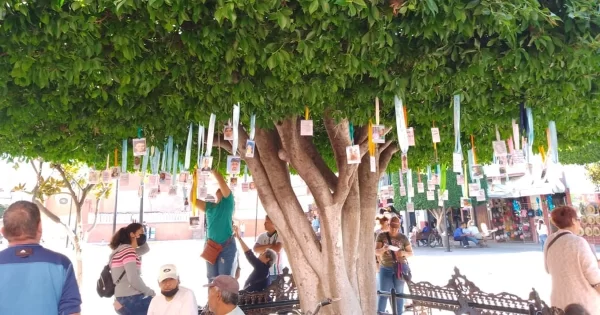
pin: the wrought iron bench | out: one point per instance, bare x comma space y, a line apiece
280, 297
462, 296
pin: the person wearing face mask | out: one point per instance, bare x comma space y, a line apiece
174, 299
132, 295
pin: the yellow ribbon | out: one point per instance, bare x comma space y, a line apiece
371, 143
543, 153
194, 192
473, 149
306, 112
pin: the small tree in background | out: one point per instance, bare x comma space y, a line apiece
593, 172
73, 178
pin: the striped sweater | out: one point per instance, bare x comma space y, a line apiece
126, 258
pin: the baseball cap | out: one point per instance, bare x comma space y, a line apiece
167, 272
225, 283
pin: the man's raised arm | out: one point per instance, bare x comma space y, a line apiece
222, 184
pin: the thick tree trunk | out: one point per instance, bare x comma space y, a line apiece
341, 264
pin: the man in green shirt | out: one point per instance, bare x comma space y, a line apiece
219, 226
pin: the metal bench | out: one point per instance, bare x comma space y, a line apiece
280, 297
462, 296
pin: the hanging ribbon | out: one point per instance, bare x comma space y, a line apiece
465, 185
174, 167
370, 139
401, 178
155, 161
108, 161
194, 194
428, 172
170, 155
401, 125
351, 130
306, 113
498, 134
116, 156
236, 122
163, 165
376, 112
442, 178
510, 143
473, 149
210, 135
435, 145
516, 135
457, 146
543, 154
145, 165
553, 151
409, 185
200, 143
188, 149
124, 157
530, 134
470, 163
438, 172
252, 126
245, 173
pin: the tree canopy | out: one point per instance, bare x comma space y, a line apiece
78, 76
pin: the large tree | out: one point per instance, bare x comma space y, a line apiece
77, 77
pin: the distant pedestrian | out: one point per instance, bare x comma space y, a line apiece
542, 232
33, 279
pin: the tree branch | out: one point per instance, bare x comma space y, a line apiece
339, 137
294, 145
385, 156
59, 168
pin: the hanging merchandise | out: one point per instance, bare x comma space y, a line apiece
550, 203
93, 177
236, 122
306, 125
377, 130
435, 136
228, 131
352, 151
457, 155
250, 144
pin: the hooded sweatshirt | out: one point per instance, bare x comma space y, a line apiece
126, 258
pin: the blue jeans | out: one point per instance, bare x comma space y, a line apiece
543, 239
465, 240
134, 304
225, 264
387, 281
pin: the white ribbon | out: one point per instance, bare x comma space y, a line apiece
124, 157
553, 142
401, 125
174, 167
252, 126
200, 143
457, 146
170, 154
236, 122
516, 136
409, 185
188, 149
210, 135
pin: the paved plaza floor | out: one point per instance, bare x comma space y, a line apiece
514, 268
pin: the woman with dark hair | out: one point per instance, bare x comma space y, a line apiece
132, 295
571, 263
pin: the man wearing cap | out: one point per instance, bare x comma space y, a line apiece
33, 279
223, 296
174, 298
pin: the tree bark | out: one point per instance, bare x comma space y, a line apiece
341, 264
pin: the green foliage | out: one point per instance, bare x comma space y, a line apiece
77, 76
593, 171
420, 200
2, 209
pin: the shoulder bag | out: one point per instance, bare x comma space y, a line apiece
402, 269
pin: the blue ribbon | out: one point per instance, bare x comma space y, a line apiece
351, 129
